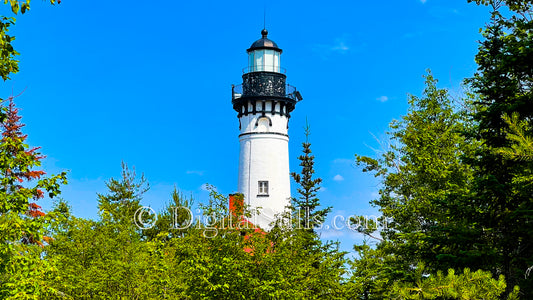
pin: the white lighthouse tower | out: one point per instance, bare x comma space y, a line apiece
264, 102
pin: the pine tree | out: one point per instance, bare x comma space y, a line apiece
307, 204
504, 83
174, 220
424, 197
124, 196
521, 147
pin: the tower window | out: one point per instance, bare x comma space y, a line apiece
262, 188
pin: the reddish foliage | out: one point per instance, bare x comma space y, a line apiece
34, 206
40, 194
31, 240
32, 174
13, 141
34, 210
12, 132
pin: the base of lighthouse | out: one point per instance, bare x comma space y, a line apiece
264, 177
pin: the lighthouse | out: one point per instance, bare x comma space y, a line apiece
264, 102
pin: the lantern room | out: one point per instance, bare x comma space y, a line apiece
264, 55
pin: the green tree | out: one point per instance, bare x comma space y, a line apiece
373, 271
425, 196
107, 258
503, 198
174, 220
316, 268
425, 184
123, 198
307, 204
465, 286
100, 260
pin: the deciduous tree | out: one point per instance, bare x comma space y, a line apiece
22, 269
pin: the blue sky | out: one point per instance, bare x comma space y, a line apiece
149, 83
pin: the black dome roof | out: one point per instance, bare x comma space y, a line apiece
264, 43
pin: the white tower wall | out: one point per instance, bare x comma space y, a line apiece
264, 156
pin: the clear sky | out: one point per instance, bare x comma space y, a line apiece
149, 83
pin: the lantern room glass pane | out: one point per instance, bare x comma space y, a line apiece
259, 60
269, 60
251, 61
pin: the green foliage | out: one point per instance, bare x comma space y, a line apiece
374, 277
99, 260
373, 271
124, 196
109, 259
103, 259
8, 63
315, 268
521, 147
306, 204
425, 182
466, 286
174, 220
425, 200
502, 191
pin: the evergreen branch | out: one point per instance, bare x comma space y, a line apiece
522, 143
